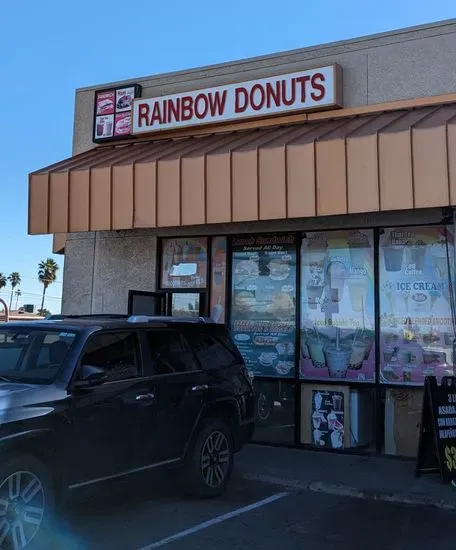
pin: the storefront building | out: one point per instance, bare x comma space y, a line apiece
305, 199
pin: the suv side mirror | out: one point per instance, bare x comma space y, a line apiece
91, 376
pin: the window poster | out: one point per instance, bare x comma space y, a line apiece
263, 314
337, 306
184, 263
327, 418
416, 324
218, 280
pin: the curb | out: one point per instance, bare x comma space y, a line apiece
411, 499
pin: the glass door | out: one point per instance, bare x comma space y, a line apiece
187, 304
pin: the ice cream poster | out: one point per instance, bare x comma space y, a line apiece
416, 325
263, 308
337, 299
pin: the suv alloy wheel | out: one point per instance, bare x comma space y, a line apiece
26, 500
210, 460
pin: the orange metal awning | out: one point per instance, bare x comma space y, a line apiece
395, 160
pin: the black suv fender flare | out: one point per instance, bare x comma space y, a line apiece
226, 408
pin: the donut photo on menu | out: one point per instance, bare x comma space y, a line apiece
123, 124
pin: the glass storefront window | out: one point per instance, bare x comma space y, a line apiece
337, 306
263, 309
416, 324
274, 411
185, 304
184, 263
218, 280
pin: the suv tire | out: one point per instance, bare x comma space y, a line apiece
26, 502
209, 462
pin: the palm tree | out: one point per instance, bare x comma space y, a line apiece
18, 293
47, 274
3, 281
15, 280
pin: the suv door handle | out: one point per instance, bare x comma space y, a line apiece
200, 388
145, 396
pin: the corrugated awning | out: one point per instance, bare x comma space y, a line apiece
394, 160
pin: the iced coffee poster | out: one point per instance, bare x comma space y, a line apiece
416, 324
184, 263
263, 305
337, 306
104, 126
218, 280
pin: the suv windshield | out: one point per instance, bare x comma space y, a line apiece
33, 355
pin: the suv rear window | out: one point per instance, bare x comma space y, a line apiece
33, 355
169, 352
213, 351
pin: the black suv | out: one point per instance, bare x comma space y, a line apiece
92, 398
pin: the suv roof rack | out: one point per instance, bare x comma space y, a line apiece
88, 316
167, 319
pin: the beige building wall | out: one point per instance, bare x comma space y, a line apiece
405, 64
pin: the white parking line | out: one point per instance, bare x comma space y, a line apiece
214, 521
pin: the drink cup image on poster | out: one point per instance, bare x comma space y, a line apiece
104, 126
416, 323
337, 306
263, 303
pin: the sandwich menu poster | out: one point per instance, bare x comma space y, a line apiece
263, 314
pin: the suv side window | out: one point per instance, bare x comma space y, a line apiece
169, 352
212, 352
115, 352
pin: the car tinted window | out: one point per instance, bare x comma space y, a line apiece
33, 354
169, 352
115, 352
212, 352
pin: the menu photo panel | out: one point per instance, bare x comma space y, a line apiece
337, 306
112, 112
263, 308
416, 321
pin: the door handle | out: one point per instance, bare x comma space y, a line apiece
200, 388
145, 396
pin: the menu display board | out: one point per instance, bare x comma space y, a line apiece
112, 112
184, 263
263, 314
218, 280
437, 444
337, 306
416, 324
328, 408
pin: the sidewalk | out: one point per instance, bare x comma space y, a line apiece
375, 478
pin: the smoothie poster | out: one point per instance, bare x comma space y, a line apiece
337, 309
328, 418
416, 325
184, 263
218, 280
263, 314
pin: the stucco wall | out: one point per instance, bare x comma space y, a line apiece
404, 64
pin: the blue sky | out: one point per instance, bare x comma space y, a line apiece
51, 48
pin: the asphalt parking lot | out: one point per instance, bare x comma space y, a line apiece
139, 516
